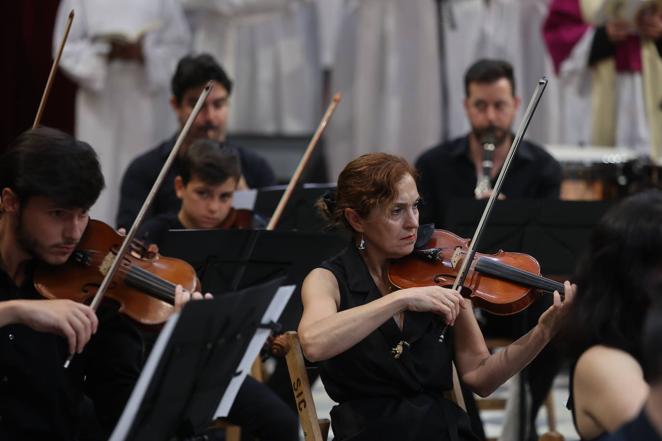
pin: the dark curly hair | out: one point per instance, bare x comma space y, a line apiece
50, 163
618, 277
366, 182
195, 71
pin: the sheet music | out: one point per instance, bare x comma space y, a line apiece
126, 420
272, 314
244, 199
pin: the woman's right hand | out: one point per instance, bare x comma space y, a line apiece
441, 301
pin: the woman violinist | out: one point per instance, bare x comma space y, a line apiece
619, 279
48, 181
379, 348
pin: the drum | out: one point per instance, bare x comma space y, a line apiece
593, 173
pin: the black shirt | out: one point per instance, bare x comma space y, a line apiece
155, 229
639, 429
143, 171
39, 398
447, 171
382, 397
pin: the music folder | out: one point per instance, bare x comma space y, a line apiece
555, 232
200, 359
226, 260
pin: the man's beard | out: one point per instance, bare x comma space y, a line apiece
490, 134
204, 133
30, 244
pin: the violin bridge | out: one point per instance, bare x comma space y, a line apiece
455, 258
106, 263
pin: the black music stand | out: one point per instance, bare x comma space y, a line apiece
226, 260
554, 232
192, 364
300, 213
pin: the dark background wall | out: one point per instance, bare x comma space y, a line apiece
26, 54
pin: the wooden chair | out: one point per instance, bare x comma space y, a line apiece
314, 429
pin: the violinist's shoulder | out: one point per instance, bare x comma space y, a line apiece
602, 365
609, 375
321, 278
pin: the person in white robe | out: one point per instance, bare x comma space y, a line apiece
387, 68
122, 54
612, 73
270, 48
505, 30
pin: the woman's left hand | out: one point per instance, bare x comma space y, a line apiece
183, 296
552, 319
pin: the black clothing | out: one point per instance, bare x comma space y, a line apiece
256, 408
639, 429
379, 396
154, 229
446, 172
142, 172
39, 399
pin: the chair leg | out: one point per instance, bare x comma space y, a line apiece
551, 412
233, 433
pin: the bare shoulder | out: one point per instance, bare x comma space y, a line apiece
603, 362
609, 386
320, 283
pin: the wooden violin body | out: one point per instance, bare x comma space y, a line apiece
237, 219
503, 283
143, 286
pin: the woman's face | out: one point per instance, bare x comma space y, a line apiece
391, 229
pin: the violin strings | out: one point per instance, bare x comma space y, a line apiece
139, 276
151, 281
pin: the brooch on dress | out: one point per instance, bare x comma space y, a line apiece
399, 349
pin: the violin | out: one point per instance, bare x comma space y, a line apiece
144, 285
237, 219
503, 283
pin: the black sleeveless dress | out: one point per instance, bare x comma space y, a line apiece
382, 397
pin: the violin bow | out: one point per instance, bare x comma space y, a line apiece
302, 163
51, 75
471, 252
128, 239
280, 208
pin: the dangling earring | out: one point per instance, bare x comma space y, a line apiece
361, 246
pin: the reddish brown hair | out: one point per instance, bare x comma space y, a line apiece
365, 183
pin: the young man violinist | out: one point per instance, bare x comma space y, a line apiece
205, 184
190, 78
48, 181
